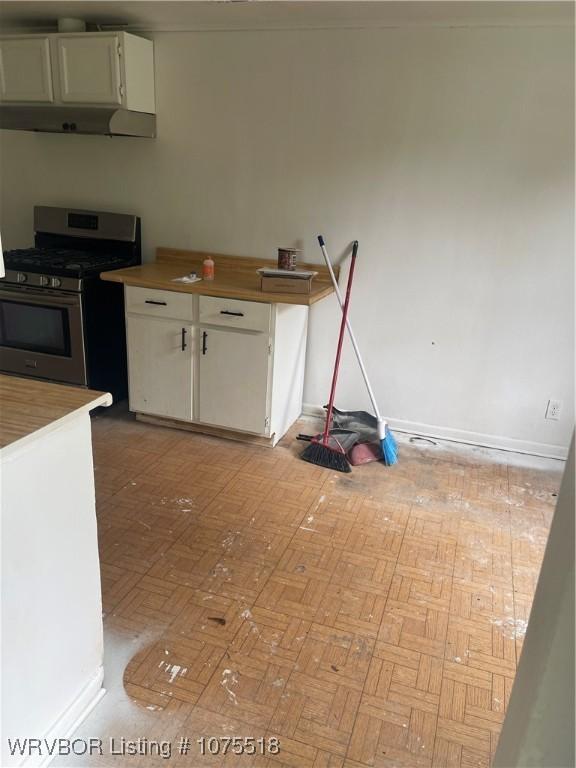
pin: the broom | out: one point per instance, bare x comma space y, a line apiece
327, 450
385, 436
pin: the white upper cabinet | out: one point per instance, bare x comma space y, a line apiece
89, 68
102, 69
25, 70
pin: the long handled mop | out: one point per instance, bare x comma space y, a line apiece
385, 436
327, 450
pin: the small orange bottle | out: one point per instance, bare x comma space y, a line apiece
208, 269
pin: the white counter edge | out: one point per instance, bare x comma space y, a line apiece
14, 448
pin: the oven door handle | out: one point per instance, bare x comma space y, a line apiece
37, 297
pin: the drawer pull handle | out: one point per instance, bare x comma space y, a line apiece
204, 347
183, 339
151, 301
234, 314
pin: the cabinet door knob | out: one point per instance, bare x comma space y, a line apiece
204, 347
234, 314
183, 339
151, 301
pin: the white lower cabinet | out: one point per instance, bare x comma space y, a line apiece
160, 366
224, 363
233, 375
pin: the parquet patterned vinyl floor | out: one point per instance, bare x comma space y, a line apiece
372, 619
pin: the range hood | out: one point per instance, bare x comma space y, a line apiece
100, 121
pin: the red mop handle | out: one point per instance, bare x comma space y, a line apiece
340, 342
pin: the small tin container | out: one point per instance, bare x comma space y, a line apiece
287, 258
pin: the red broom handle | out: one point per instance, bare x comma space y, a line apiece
340, 343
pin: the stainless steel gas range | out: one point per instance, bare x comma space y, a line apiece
58, 320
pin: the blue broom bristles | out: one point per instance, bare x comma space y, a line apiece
389, 448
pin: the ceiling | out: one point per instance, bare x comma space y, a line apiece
166, 15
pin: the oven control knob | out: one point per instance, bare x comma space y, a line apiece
56, 282
44, 280
21, 277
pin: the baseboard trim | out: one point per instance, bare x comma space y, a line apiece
497, 442
207, 429
67, 723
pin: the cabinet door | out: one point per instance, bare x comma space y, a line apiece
89, 68
233, 379
25, 71
160, 367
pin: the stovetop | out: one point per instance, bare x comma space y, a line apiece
64, 262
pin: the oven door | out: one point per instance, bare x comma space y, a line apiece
41, 334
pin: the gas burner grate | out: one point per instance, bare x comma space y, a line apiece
61, 261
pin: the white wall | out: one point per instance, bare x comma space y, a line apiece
446, 152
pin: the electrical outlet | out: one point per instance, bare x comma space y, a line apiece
553, 409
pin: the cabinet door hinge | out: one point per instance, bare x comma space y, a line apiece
119, 49
266, 422
270, 348
121, 89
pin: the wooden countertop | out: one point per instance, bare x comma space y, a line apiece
28, 406
236, 277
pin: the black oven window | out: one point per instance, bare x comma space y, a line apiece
36, 328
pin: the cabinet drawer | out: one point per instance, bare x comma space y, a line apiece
149, 301
232, 313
